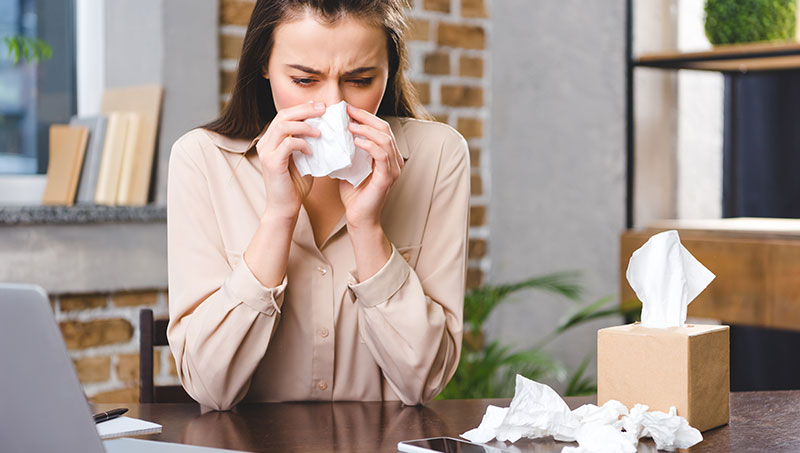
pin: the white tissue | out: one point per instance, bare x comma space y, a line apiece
486, 430
333, 153
669, 431
537, 411
594, 438
666, 278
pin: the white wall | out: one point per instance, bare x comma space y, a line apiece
558, 159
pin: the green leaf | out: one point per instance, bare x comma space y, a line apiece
578, 384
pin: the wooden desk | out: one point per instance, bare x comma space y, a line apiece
760, 421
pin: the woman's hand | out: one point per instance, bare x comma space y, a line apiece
285, 188
363, 204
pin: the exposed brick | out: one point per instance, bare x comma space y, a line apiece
125, 395
474, 156
470, 66
80, 335
477, 248
477, 215
419, 30
236, 12
167, 355
462, 96
227, 80
476, 184
442, 6
83, 302
437, 63
464, 36
470, 127
474, 278
230, 46
442, 118
423, 90
136, 298
93, 369
473, 8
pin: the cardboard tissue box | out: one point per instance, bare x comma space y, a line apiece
686, 367
662, 362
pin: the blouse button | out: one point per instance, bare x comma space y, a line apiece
322, 385
322, 270
323, 332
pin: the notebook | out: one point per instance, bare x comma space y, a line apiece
126, 426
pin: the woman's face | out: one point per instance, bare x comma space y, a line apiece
346, 60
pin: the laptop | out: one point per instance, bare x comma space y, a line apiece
42, 404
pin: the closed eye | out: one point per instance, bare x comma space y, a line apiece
361, 82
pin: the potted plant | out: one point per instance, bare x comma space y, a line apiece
487, 369
743, 21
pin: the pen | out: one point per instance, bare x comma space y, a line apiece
108, 415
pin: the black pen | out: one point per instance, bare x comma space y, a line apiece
108, 415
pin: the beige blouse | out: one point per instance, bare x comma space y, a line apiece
320, 335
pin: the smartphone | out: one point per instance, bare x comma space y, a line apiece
444, 445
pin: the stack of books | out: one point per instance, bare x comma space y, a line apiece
106, 159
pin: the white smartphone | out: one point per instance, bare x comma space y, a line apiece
444, 445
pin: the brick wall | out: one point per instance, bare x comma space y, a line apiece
101, 332
448, 66
449, 62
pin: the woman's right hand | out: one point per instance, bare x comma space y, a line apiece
285, 188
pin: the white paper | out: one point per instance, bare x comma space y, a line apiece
666, 278
126, 426
334, 153
537, 411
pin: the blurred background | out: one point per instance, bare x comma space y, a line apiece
591, 125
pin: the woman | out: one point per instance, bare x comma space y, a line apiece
298, 288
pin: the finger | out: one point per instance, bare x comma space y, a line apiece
383, 139
283, 152
365, 117
301, 112
296, 128
279, 130
383, 159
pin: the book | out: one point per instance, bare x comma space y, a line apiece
146, 101
126, 426
111, 161
67, 147
87, 183
128, 166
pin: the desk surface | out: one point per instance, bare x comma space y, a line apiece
760, 421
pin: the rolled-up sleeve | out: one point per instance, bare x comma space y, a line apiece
221, 317
411, 317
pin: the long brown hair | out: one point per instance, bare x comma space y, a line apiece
251, 106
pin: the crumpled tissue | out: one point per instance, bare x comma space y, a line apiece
334, 153
538, 411
666, 278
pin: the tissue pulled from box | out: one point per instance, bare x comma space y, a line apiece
538, 411
666, 278
334, 153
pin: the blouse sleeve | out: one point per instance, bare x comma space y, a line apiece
411, 318
221, 317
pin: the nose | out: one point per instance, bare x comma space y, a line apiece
332, 93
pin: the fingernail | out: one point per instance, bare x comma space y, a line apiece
319, 106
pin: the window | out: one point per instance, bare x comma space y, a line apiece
35, 95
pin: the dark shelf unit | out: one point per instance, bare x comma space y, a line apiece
739, 58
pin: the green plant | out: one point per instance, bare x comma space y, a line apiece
738, 21
27, 48
488, 369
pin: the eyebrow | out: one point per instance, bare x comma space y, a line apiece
308, 70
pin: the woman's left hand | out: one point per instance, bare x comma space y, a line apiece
363, 204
